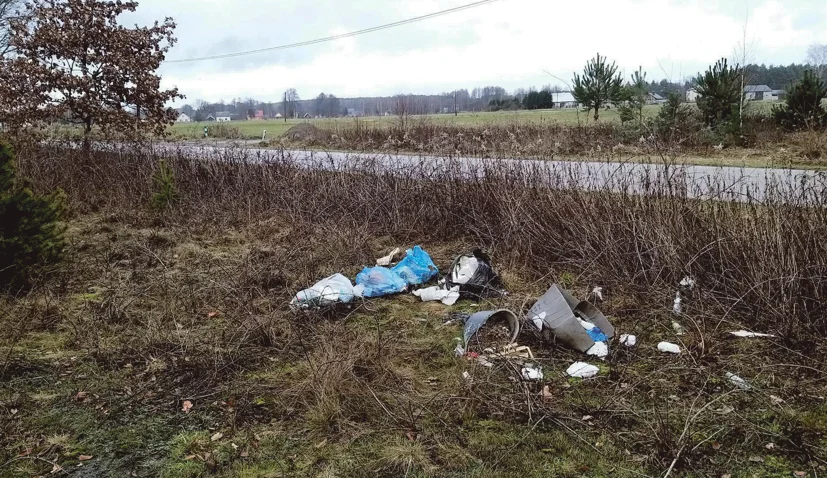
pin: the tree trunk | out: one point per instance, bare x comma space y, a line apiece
87, 141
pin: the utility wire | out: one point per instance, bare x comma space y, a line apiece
335, 37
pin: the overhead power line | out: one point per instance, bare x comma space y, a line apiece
336, 37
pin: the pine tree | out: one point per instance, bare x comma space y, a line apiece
31, 234
598, 87
719, 93
804, 108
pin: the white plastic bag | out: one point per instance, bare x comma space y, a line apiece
582, 370
599, 350
336, 288
465, 270
628, 340
386, 261
448, 297
666, 347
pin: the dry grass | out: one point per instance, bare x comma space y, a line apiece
153, 310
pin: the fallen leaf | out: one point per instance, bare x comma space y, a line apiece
84, 457
26, 452
756, 459
411, 436
244, 454
212, 315
726, 476
547, 395
189, 457
770, 446
217, 436
56, 468
187, 406
235, 447
800, 473
82, 396
716, 445
321, 443
587, 418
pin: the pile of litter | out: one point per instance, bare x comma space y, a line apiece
492, 335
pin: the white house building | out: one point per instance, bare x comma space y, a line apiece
223, 117
759, 93
564, 100
183, 118
691, 95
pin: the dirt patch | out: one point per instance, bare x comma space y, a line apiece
306, 132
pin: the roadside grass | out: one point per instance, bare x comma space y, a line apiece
152, 312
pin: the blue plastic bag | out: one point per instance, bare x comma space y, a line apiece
597, 335
417, 267
380, 281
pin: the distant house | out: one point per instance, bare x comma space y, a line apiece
278, 115
779, 94
223, 117
655, 99
183, 118
691, 95
564, 100
257, 115
759, 93
353, 112
210, 118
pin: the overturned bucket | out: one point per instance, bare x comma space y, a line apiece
476, 322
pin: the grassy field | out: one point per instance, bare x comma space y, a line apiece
275, 128
167, 350
164, 344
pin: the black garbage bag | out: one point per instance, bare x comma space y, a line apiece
475, 276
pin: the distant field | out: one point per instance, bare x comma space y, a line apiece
254, 129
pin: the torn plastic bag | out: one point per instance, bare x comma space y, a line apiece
476, 321
475, 276
336, 288
416, 267
380, 281
559, 311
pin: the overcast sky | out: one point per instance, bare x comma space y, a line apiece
506, 43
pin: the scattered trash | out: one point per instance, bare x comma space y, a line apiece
483, 361
676, 305
186, 406
597, 292
336, 288
666, 347
678, 328
217, 436
447, 296
476, 322
599, 350
594, 331
776, 400
628, 340
475, 276
558, 311
582, 370
512, 351
688, 283
416, 267
466, 375
750, 335
380, 281
756, 459
386, 261
532, 372
546, 394
770, 446
459, 350
738, 381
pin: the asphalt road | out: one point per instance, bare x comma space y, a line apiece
713, 182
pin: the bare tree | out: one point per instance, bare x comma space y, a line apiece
817, 58
8, 11
288, 103
72, 61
